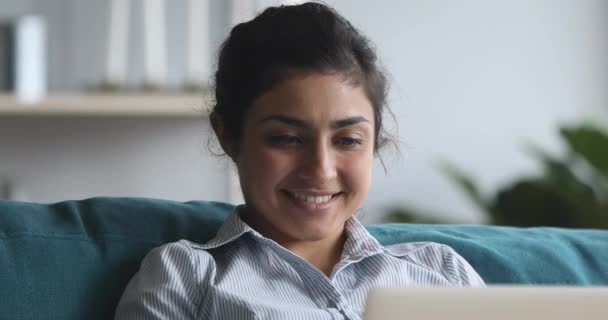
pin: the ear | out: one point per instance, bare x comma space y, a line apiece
218, 127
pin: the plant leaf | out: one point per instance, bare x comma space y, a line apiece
531, 203
559, 174
460, 178
404, 214
591, 144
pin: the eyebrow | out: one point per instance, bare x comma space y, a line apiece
296, 122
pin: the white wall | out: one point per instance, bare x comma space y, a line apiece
49, 159
9, 9
472, 80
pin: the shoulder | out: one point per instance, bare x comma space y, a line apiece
429, 255
181, 254
176, 262
439, 258
184, 257
169, 282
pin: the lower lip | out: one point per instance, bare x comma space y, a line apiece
313, 207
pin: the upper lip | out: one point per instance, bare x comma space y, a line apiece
314, 193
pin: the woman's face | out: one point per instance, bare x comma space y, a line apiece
305, 157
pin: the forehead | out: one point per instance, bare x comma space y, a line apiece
314, 97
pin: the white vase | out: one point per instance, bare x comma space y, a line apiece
30, 56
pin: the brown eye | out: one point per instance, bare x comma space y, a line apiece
349, 142
284, 140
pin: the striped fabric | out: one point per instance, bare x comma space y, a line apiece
242, 275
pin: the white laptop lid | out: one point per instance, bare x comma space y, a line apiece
493, 302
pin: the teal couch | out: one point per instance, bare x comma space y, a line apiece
72, 259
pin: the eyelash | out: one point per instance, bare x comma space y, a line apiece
350, 142
285, 140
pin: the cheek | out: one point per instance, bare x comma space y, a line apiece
357, 171
262, 168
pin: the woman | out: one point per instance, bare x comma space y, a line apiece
300, 99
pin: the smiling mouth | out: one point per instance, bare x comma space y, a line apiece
312, 198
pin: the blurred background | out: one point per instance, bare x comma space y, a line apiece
501, 106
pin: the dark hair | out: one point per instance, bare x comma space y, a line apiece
287, 40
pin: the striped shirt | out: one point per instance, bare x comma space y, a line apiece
240, 274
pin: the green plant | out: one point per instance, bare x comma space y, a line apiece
571, 192
409, 215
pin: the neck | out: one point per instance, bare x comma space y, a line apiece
323, 254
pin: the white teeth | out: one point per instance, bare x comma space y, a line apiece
312, 199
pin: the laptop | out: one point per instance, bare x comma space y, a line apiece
493, 302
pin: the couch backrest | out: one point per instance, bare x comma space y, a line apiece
71, 260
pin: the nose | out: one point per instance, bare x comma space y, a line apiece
318, 163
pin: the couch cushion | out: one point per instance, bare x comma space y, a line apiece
507, 255
71, 260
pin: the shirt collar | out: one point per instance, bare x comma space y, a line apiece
232, 228
359, 242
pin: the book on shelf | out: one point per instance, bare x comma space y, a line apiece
7, 57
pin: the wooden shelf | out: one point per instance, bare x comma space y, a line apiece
161, 105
